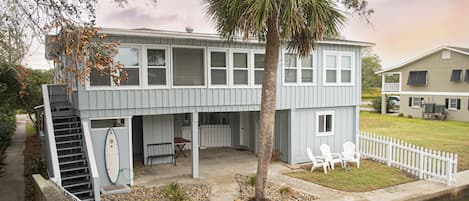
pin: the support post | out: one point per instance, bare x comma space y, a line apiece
195, 145
384, 103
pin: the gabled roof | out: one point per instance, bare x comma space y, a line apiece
145, 32
461, 50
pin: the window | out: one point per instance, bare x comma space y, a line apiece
466, 77
218, 67
325, 123
188, 67
417, 78
258, 68
107, 123
456, 75
97, 79
453, 103
338, 68
298, 70
157, 66
290, 67
415, 102
129, 57
240, 68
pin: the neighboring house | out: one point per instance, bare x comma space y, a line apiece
205, 89
439, 78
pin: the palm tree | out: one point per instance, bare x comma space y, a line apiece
295, 23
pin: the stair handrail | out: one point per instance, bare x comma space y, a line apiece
91, 159
50, 136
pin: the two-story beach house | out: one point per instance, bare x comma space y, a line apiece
201, 90
433, 85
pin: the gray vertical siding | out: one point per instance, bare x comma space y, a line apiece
281, 134
303, 132
157, 129
98, 137
128, 102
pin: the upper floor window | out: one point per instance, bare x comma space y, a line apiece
298, 70
466, 77
157, 66
456, 75
188, 67
417, 78
338, 67
259, 62
218, 67
129, 57
240, 68
324, 123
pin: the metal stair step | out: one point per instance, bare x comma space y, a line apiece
87, 198
70, 184
75, 175
72, 162
64, 136
68, 141
73, 116
69, 168
80, 192
67, 129
67, 123
69, 148
71, 155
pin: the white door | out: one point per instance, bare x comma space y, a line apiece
244, 128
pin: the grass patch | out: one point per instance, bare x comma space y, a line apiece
448, 136
30, 129
369, 176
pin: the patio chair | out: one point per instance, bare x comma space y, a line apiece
317, 161
331, 157
351, 154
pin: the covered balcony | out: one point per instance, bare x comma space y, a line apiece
391, 82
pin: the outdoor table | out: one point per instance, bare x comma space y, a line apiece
180, 143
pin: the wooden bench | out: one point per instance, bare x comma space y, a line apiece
160, 150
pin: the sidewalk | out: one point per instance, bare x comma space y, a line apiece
408, 191
13, 179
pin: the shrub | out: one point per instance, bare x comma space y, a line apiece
376, 104
252, 180
285, 192
409, 116
401, 114
174, 192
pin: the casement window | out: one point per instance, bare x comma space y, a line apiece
130, 58
415, 102
240, 68
259, 59
453, 103
456, 75
417, 78
157, 66
218, 67
338, 68
107, 123
324, 123
188, 66
466, 77
298, 71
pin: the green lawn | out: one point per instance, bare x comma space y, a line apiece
448, 136
369, 176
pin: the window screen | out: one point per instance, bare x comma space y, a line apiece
156, 63
258, 68
129, 57
325, 123
307, 69
417, 78
240, 69
96, 79
188, 67
456, 75
218, 68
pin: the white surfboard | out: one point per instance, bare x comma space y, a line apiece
111, 153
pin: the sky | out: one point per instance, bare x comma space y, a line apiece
401, 29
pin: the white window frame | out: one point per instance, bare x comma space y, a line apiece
325, 113
232, 68
210, 68
253, 81
140, 67
298, 68
419, 100
128, 122
453, 100
338, 55
205, 67
146, 67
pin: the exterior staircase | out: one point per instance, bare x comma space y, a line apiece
73, 162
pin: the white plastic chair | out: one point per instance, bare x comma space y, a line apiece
317, 161
351, 154
331, 157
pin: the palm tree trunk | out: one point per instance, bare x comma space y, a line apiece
267, 114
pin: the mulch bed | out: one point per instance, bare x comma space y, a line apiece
32, 158
196, 192
274, 192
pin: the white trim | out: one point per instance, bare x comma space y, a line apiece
298, 68
146, 67
232, 68
50, 136
338, 69
226, 68
208, 36
131, 159
205, 67
325, 113
434, 93
449, 104
91, 158
420, 57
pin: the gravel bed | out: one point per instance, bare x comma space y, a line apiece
196, 192
273, 191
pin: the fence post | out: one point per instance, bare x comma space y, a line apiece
388, 151
420, 149
449, 169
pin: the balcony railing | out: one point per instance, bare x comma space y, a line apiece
391, 87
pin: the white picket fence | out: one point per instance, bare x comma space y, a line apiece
421, 162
